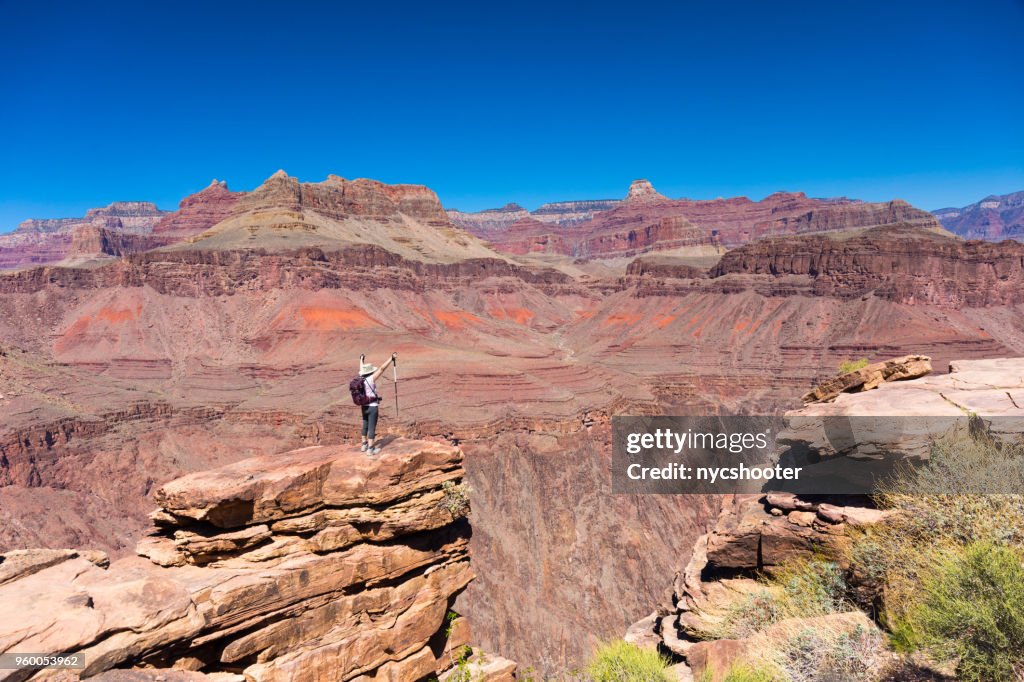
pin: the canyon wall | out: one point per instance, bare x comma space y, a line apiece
993, 219
558, 213
647, 221
48, 241
320, 563
122, 228
901, 264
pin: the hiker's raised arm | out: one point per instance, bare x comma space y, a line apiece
380, 371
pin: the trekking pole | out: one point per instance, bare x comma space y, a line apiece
394, 369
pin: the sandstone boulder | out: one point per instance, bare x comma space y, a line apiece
871, 376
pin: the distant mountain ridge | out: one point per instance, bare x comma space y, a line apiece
646, 220
564, 213
994, 218
410, 220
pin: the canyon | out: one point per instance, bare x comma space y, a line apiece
993, 219
647, 220
232, 333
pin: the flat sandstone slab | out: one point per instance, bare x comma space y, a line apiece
270, 487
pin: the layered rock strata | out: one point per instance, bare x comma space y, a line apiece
649, 221
904, 264
993, 219
558, 213
52, 240
320, 563
123, 228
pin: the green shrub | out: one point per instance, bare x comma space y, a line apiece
456, 498
799, 589
966, 461
972, 609
461, 672
745, 672
747, 615
905, 553
847, 366
812, 588
620, 661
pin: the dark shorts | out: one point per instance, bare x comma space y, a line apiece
370, 421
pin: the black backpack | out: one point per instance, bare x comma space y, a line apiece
357, 387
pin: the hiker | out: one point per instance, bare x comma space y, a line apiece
364, 394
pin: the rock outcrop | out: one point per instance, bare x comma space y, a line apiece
753, 535
339, 198
320, 563
643, 192
993, 219
905, 264
52, 240
196, 213
283, 214
870, 376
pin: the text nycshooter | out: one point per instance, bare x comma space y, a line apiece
681, 472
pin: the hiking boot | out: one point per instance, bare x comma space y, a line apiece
374, 451
363, 447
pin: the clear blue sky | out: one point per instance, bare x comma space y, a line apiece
487, 102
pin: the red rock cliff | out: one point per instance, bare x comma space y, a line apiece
904, 264
320, 563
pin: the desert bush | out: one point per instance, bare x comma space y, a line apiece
930, 527
847, 366
812, 588
827, 655
800, 589
747, 615
620, 661
460, 671
971, 609
456, 498
950, 563
748, 672
868, 554
967, 461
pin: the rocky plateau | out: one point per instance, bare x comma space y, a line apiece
312, 564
